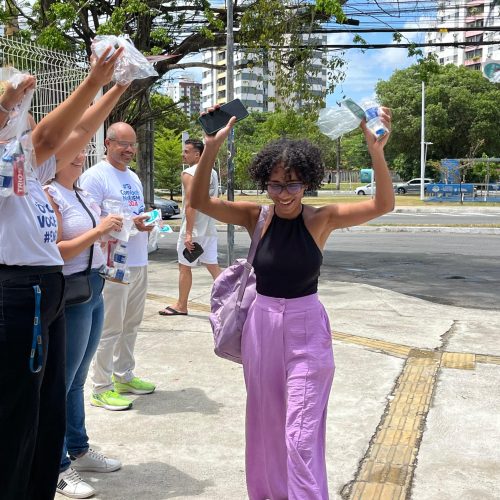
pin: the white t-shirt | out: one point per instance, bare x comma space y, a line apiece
75, 222
203, 224
28, 227
105, 182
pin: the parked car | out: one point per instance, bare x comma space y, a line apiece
362, 190
168, 208
412, 186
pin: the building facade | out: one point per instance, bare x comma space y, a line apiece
473, 15
187, 93
252, 84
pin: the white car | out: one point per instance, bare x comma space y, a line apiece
362, 190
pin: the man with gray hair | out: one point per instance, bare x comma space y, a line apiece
114, 363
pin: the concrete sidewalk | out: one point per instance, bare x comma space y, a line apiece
413, 411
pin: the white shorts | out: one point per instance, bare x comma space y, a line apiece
209, 255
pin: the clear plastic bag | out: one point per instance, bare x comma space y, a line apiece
335, 122
132, 65
16, 146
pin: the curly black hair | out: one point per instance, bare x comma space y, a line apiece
301, 156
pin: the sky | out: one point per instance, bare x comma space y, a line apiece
365, 69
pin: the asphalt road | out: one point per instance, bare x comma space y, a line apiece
467, 217
454, 269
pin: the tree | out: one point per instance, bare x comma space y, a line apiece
270, 29
168, 160
461, 111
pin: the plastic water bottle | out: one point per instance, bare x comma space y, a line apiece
373, 121
6, 175
19, 172
120, 255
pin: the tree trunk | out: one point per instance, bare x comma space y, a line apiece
145, 154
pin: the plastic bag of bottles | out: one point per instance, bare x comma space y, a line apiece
16, 158
132, 65
337, 121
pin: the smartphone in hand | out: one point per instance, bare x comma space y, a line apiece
219, 118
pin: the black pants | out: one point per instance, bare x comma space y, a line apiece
32, 405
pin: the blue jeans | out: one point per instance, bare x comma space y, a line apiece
83, 331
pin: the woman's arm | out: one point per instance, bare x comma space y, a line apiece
88, 125
53, 130
351, 214
238, 213
71, 248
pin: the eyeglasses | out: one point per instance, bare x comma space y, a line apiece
291, 187
125, 144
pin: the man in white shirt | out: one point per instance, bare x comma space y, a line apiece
196, 227
114, 363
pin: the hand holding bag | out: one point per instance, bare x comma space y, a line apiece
232, 295
77, 286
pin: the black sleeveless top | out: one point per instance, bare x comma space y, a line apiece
287, 261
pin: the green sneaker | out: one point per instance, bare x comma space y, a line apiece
135, 386
110, 400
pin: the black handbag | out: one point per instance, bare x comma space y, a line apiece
77, 288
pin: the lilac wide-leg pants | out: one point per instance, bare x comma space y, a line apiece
288, 366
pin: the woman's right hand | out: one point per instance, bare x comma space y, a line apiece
221, 135
103, 67
110, 223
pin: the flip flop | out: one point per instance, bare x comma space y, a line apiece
170, 311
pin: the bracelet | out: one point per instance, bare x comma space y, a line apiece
4, 109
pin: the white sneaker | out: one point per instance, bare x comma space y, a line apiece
93, 461
70, 484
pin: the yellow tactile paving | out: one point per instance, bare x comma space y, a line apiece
484, 358
458, 360
387, 468
377, 491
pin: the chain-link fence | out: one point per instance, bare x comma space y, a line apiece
57, 73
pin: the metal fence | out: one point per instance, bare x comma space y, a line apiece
57, 73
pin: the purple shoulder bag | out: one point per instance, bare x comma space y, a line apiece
232, 295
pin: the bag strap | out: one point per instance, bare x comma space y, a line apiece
264, 209
89, 266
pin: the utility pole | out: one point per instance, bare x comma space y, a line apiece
230, 139
422, 147
337, 186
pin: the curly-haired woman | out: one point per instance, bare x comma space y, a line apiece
286, 344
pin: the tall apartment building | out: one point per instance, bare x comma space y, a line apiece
188, 92
473, 15
252, 85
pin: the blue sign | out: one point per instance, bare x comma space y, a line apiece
450, 170
441, 190
366, 175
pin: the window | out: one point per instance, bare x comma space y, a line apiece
221, 56
476, 38
221, 81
